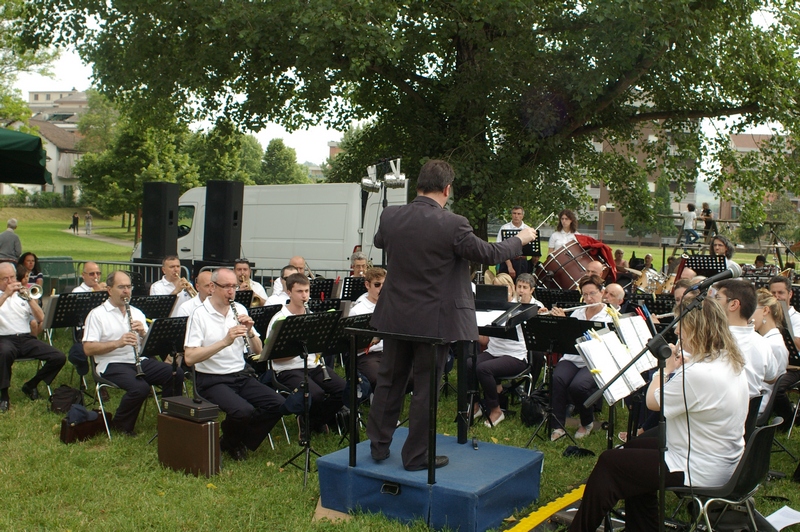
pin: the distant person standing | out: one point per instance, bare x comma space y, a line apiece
87, 222
689, 219
75, 221
10, 246
710, 229
515, 265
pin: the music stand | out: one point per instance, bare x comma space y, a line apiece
166, 335
352, 288
532, 248
552, 297
554, 334
321, 288
707, 265
491, 294
154, 307
244, 297
261, 317
297, 336
71, 309
324, 305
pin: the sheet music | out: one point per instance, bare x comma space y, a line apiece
486, 317
605, 355
636, 334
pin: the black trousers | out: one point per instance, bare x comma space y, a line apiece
18, 346
251, 408
401, 358
572, 384
490, 369
137, 390
630, 473
323, 409
368, 366
783, 407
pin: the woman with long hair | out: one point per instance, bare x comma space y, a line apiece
30, 262
707, 397
769, 323
567, 229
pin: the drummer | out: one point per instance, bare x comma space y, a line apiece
619, 260
648, 263
567, 229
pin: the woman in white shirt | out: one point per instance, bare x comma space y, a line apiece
768, 322
567, 229
709, 395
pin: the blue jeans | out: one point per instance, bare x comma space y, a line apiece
691, 233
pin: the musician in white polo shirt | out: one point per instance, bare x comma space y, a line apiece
369, 360
172, 283
781, 288
204, 287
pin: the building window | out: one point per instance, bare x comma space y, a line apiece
47, 97
35, 97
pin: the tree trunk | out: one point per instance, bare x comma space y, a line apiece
122, 225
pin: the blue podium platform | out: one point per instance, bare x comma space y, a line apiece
475, 492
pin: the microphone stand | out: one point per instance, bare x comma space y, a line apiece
661, 350
787, 249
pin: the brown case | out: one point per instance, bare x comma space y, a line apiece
83, 431
186, 408
188, 446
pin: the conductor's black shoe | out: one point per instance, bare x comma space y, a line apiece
381, 458
440, 461
3, 406
30, 391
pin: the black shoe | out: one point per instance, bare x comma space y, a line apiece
440, 461
237, 453
4, 406
381, 458
31, 392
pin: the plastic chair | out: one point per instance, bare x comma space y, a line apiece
748, 476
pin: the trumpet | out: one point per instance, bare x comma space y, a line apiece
256, 301
188, 288
29, 293
246, 338
136, 358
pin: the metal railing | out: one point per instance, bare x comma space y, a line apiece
62, 274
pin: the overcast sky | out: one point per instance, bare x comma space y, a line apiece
71, 73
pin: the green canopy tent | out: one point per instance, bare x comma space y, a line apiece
22, 159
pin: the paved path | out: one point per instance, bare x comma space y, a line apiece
107, 239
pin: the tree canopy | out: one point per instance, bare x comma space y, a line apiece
279, 165
516, 94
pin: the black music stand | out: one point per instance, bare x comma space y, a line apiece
154, 307
490, 294
261, 317
297, 336
707, 265
352, 288
71, 309
324, 305
166, 335
431, 406
244, 297
552, 297
532, 248
321, 288
554, 334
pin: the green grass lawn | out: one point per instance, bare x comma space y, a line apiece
120, 485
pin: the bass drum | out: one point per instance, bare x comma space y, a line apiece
667, 286
566, 267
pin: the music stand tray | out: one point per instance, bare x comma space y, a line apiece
340, 340
352, 288
532, 248
244, 297
324, 305
71, 309
165, 335
321, 288
261, 317
154, 307
552, 297
707, 265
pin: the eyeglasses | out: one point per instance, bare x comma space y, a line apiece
226, 286
9, 278
124, 286
92, 273
377, 285
590, 294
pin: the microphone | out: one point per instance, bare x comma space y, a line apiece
733, 271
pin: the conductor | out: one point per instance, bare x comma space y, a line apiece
428, 293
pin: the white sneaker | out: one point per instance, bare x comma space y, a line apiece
584, 431
557, 434
478, 412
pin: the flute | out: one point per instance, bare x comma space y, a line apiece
247, 348
570, 309
136, 358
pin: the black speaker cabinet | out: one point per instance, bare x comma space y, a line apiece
223, 229
159, 220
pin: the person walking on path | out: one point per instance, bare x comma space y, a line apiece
87, 221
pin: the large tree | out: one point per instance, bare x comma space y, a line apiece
516, 94
279, 165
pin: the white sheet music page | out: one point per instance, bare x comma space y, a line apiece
605, 355
486, 317
636, 334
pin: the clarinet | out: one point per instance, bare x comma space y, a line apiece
325, 375
136, 359
236, 318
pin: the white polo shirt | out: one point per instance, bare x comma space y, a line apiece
83, 287
15, 316
258, 290
188, 308
205, 327
760, 364
165, 288
292, 363
365, 306
106, 323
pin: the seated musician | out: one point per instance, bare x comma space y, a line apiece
324, 386
242, 270
370, 360
516, 265
22, 278
619, 260
299, 263
281, 298
648, 263
566, 230
738, 300
615, 296
358, 264
708, 392
114, 339
760, 262
16, 340
781, 288
768, 321
572, 380
204, 287
501, 358
172, 283
721, 246
525, 287
216, 338
596, 268
91, 283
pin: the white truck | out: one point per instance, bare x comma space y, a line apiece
324, 223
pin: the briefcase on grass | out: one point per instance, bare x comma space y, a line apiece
186, 408
188, 446
72, 432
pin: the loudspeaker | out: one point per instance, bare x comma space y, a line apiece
223, 230
159, 220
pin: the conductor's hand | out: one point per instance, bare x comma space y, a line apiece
129, 338
527, 235
234, 333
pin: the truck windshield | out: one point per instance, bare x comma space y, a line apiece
185, 219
